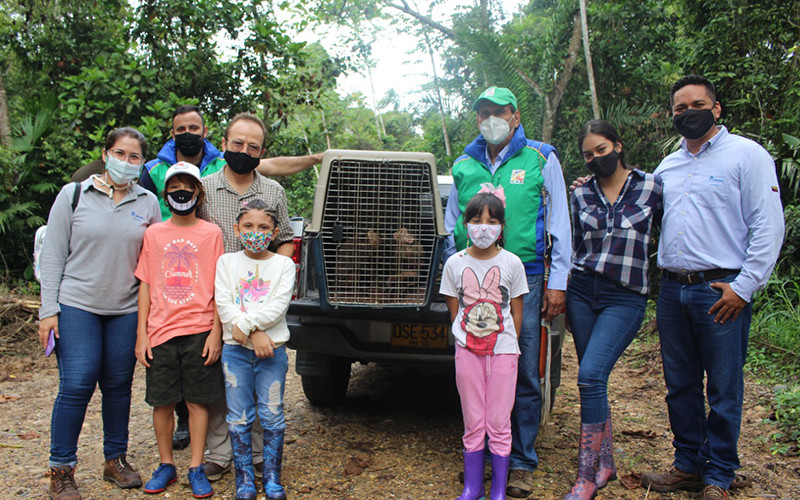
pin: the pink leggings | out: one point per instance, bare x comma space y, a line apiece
487, 385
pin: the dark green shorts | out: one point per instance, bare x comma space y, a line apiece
177, 373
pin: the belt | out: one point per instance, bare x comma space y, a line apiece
699, 277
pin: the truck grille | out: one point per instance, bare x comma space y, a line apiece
378, 232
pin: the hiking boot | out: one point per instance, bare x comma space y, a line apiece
520, 483
180, 438
119, 471
62, 483
713, 492
673, 479
215, 471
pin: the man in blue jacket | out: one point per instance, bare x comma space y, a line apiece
536, 202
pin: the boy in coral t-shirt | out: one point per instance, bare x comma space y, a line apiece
179, 334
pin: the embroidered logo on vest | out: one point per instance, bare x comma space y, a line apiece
517, 177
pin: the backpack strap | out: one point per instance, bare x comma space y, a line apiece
76, 195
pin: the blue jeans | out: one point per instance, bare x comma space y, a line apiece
528, 400
604, 318
92, 349
693, 345
246, 375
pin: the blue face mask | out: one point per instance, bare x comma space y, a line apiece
121, 171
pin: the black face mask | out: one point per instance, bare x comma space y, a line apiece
181, 202
189, 144
604, 166
694, 123
241, 163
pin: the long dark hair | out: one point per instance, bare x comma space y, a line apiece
604, 128
490, 201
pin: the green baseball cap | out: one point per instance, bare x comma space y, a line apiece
497, 95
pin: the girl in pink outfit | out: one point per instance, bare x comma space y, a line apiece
483, 287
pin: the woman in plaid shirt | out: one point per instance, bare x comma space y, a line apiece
612, 217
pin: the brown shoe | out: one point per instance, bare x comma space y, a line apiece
673, 479
520, 483
712, 492
215, 471
62, 484
119, 471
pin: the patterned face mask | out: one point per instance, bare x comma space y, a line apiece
484, 235
255, 241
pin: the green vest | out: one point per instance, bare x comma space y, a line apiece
159, 171
522, 180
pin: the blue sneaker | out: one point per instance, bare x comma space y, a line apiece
201, 488
162, 477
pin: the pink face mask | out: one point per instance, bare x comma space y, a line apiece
483, 235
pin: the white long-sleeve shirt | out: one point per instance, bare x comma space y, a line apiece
254, 295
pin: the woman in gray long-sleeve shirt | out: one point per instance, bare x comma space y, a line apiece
89, 302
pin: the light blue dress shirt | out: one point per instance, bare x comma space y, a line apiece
559, 219
722, 210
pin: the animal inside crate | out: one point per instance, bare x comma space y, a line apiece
377, 231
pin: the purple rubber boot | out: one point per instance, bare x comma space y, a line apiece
473, 476
499, 477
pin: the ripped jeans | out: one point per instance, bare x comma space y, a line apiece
250, 380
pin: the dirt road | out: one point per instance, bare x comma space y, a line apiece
397, 436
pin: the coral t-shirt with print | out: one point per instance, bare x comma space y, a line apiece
179, 264
484, 289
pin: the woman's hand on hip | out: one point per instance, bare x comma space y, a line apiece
45, 325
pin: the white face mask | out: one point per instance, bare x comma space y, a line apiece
121, 171
483, 235
495, 130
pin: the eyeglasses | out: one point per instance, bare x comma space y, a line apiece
132, 158
237, 146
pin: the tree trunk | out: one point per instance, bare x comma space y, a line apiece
553, 99
5, 122
325, 129
379, 128
588, 55
438, 97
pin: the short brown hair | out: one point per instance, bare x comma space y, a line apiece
250, 117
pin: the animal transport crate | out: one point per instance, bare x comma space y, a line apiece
376, 234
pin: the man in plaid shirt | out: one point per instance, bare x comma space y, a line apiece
226, 192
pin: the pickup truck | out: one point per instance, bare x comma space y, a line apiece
369, 267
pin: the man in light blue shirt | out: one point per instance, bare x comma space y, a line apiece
530, 174
721, 234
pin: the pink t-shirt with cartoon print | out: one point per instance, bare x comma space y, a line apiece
484, 289
179, 264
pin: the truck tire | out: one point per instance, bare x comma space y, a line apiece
325, 378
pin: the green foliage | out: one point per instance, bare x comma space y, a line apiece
790, 167
26, 180
787, 416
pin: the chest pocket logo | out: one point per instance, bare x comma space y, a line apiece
712, 191
517, 177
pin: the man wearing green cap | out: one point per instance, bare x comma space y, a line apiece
536, 203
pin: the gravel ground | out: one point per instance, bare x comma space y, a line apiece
397, 436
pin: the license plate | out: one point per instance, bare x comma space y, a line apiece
416, 335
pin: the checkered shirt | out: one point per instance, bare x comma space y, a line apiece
223, 203
614, 240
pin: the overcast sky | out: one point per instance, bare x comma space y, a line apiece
395, 68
